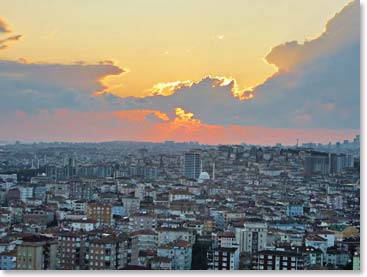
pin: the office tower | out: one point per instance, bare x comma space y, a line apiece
192, 165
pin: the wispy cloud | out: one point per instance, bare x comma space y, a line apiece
4, 28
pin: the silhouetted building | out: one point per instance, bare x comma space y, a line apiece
316, 164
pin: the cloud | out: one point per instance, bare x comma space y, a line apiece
208, 100
11, 38
4, 27
169, 88
314, 96
67, 125
312, 77
4, 42
33, 86
141, 115
340, 32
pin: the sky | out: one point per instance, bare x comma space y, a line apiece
233, 71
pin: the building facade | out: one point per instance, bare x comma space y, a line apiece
280, 259
100, 212
192, 165
252, 237
37, 253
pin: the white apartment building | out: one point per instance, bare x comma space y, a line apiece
252, 237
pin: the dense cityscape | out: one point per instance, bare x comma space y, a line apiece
179, 206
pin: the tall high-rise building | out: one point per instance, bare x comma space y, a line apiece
356, 142
337, 163
317, 164
192, 165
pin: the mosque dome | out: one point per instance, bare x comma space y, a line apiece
203, 176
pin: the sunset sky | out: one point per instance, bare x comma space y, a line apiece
212, 71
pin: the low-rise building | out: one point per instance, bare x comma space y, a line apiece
8, 260
100, 212
179, 252
224, 253
280, 259
37, 253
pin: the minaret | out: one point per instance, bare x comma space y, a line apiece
213, 177
33, 167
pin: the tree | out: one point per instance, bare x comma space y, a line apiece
199, 258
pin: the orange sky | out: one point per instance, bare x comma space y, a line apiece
143, 48
66, 125
164, 41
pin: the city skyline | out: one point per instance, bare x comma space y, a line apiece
181, 135
179, 206
146, 72
297, 143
